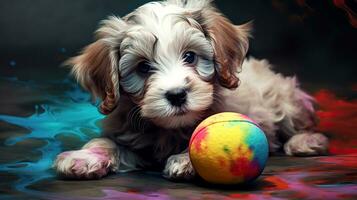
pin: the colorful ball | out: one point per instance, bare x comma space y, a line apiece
228, 148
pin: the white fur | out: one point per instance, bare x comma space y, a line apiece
157, 107
306, 144
179, 167
266, 97
86, 164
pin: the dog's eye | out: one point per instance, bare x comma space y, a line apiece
144, 67
190, 57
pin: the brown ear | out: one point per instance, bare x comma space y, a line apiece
93, 69
96, 67
230, 45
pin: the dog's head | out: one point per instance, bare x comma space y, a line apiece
167, 56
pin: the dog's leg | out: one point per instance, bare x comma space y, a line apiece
179, 167
96, 159
303, 140
307, 144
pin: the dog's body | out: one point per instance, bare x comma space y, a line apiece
173, 64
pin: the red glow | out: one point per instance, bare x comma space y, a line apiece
338, 117
343, 147
351, 15
278, 183
346, 161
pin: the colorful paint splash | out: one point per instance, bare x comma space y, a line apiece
70, 114
338, 119
316, 178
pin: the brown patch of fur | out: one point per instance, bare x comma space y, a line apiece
92, 70
230, 44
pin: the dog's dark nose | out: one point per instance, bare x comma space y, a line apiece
176, 97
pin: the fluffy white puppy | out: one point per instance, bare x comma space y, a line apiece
162, 69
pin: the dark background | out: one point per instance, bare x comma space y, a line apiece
312, 39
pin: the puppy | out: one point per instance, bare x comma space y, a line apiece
162, 69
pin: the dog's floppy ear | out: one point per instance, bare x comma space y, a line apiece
230, 43
96, 67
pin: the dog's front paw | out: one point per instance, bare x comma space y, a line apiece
307, 144
90, 163
179, 167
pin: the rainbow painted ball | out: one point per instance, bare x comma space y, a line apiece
228, 148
